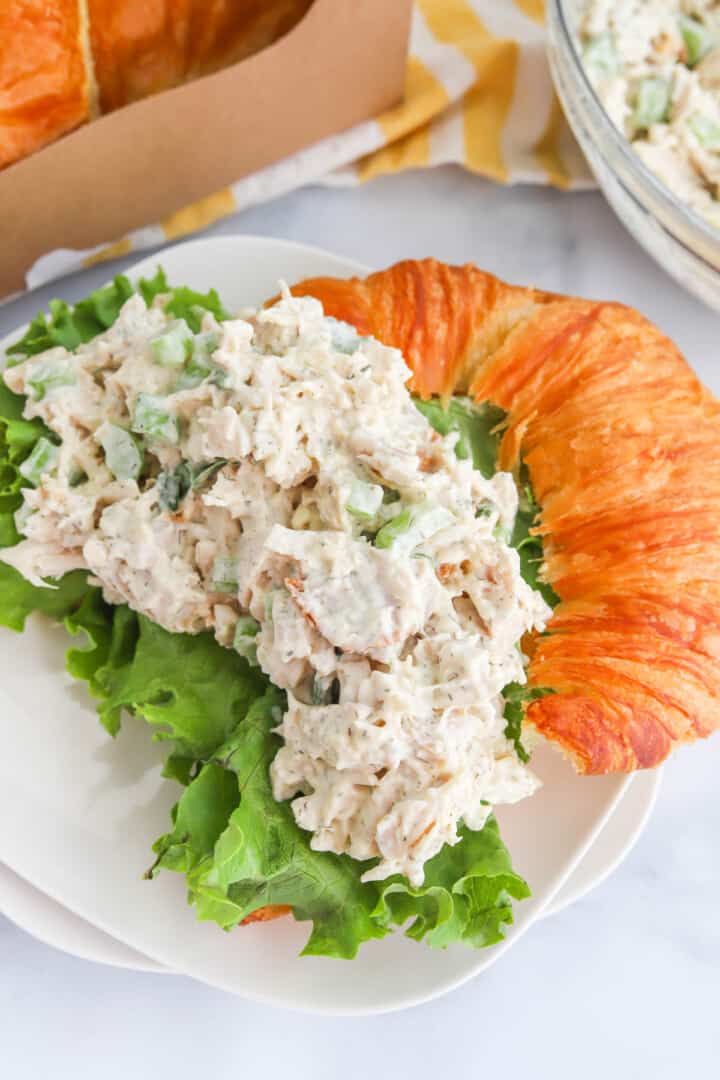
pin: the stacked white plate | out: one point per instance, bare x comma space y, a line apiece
79, 811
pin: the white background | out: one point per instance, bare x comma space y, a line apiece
626, 983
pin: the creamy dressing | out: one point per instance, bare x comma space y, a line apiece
271, 480
656, 67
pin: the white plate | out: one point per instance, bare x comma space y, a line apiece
48, 921
78, 812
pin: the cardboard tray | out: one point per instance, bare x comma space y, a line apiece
343, 63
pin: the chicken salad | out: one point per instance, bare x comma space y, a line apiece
271, 482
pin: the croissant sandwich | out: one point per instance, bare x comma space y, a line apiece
65, 62
346, 605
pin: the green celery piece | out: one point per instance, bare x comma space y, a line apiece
247, 627
174, 346
124, 456
394, 528
204, 345
152, 419
41, 460
246, 630
698, 39
224, 574
651, 104
600, 54
706, 131
48, 377
412, 525
364, 500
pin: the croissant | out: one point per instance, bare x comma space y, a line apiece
44, 89
143, 46
62, 62
622, 444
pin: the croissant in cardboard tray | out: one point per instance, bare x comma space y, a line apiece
622, 444
65, 62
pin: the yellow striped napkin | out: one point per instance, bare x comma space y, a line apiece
478, 93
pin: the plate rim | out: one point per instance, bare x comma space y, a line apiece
147, 966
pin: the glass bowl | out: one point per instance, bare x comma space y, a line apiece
681, 241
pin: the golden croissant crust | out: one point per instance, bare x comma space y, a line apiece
622, 444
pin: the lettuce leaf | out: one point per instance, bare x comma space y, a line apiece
466, 895
241, 850
71, 325
18, 598
479, 426
189, 689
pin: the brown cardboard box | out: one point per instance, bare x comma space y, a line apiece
344, 62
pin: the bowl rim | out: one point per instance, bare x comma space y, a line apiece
667, 208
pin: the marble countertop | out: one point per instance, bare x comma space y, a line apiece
624, 983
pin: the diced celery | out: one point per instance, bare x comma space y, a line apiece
706, 131
247, 648
652, 103
174, 346
246, 626
364, 500
246, 630
47, 377
411, 526
124, 456
21, 516
396, 527
151, 418
698, 39
40, 461
199, 365
204, 345
600, 54
224, 574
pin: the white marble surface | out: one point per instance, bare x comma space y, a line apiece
626, 982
